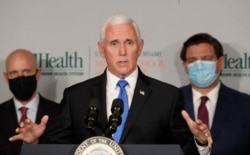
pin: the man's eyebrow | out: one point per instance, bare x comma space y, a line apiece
129, 39
115, 40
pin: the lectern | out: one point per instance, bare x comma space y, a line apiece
129, 149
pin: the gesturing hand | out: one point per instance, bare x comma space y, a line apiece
30, 132
199, 129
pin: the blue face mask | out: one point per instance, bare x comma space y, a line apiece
202, 73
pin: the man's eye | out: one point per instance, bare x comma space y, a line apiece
190, 61
130, 42
114, 43
26, 72
13, 74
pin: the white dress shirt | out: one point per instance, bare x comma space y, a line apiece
113, 90
32, 108
210, 104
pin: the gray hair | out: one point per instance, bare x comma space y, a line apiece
117, 20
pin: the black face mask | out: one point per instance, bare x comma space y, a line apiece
23, 87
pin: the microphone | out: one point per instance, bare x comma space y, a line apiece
115, 119
92, 116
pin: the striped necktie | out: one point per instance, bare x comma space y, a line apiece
24, 113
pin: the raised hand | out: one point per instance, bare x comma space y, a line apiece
199, 129
30, 132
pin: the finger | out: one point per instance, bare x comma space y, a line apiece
21, 124
27, 121
186, 116
208, 133
210, 141
14, 138
199, 122
17, 130
44, 120
203, 127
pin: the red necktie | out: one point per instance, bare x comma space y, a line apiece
202, 111
24, 113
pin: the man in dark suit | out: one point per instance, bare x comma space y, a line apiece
155, 107
228, 110
22, 76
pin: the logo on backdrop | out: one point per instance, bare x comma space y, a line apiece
72, 63
66, 64
236, 66
151, 60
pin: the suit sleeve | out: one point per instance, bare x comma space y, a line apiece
60, 130
179, 127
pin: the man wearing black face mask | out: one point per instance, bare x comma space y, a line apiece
22, 75
23, 87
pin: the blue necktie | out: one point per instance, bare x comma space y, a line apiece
124, 97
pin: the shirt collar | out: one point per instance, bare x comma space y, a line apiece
212, 95
131, 79
32, 105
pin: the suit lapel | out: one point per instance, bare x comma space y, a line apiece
9, 116
141, 93
222, 109
187, 90
40, 110
99, 92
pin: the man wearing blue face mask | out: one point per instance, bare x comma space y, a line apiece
22, 75
224, 110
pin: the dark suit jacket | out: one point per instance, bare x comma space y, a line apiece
231, 124
154, 116
9, 123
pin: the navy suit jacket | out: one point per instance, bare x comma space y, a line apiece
9, 123
231, 124
154, 116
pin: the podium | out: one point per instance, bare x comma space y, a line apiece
129, 149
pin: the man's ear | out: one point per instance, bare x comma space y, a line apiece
141, 45
38, 74
221, 63
101, 49
184, 64
5, 75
